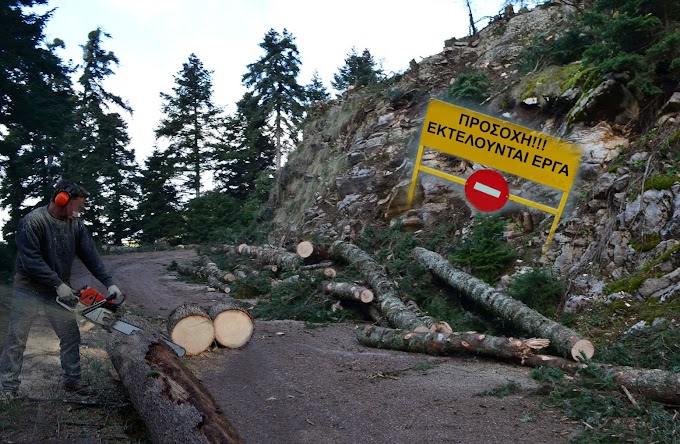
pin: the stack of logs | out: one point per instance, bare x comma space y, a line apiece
195, 329
403, 326
154, 375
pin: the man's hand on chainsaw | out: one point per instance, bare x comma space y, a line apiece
67, 294
115, 291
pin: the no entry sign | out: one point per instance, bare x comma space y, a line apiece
487, 190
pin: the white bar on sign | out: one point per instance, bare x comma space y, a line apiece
487, 190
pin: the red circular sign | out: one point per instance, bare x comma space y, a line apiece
487, 190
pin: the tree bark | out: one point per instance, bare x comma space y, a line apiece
384, 289
311, 253
190, 327
655, 384
449, 343
566, 341
171, 401
233, 324
215, 277
271, 255
347, 291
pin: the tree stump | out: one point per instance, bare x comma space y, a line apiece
189, 326
233, 324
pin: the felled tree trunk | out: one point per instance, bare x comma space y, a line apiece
449, 343
271, 255
214, 276
233, 324
566, 341
347, 291
171, 401
384, 288
190, 327
655, 384
311, 253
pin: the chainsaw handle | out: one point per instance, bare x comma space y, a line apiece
111, 297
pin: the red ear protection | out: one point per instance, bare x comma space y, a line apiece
62, 198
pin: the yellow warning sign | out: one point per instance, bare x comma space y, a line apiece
501, 145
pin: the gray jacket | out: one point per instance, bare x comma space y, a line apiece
46, 249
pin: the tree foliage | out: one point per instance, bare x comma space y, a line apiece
245, 150
35, 109
190, 123
159, 211
97, 153
638, 38
358, 70
280, 99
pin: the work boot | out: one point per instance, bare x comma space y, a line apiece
77, 388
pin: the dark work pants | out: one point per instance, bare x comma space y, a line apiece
26, 306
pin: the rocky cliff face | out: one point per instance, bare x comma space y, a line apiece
620, 230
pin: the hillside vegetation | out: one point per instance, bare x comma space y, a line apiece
599, 74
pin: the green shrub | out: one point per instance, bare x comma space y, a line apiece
486, 253
539, 289
661, 181
469, 86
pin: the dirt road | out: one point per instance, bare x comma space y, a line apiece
294, 385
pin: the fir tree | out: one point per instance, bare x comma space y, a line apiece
358, 70
245, 150
159, 212
275, 90
190, 123
35, 109
315, 91
98, 155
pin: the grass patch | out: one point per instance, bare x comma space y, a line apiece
505, 390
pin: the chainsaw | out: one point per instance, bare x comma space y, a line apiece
100, 310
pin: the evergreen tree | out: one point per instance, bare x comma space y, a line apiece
315, 91
98, 155
245, 150
358, 70
273, 82
35, 109
159, 212
190, 123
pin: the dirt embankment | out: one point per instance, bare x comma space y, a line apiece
289, 384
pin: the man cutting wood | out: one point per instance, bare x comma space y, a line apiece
48, 240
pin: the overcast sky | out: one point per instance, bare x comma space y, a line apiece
153, 38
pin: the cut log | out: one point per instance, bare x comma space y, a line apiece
347, 291
271, 255
311, 253
172, 402
385, 290
449, 343
208, 271
190, 327
330, 272
233, 324
323, 264
655, 384
564, 340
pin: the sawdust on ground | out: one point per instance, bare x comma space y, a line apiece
290, 384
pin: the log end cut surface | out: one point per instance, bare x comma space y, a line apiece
233, 328
194, 333
582, 347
